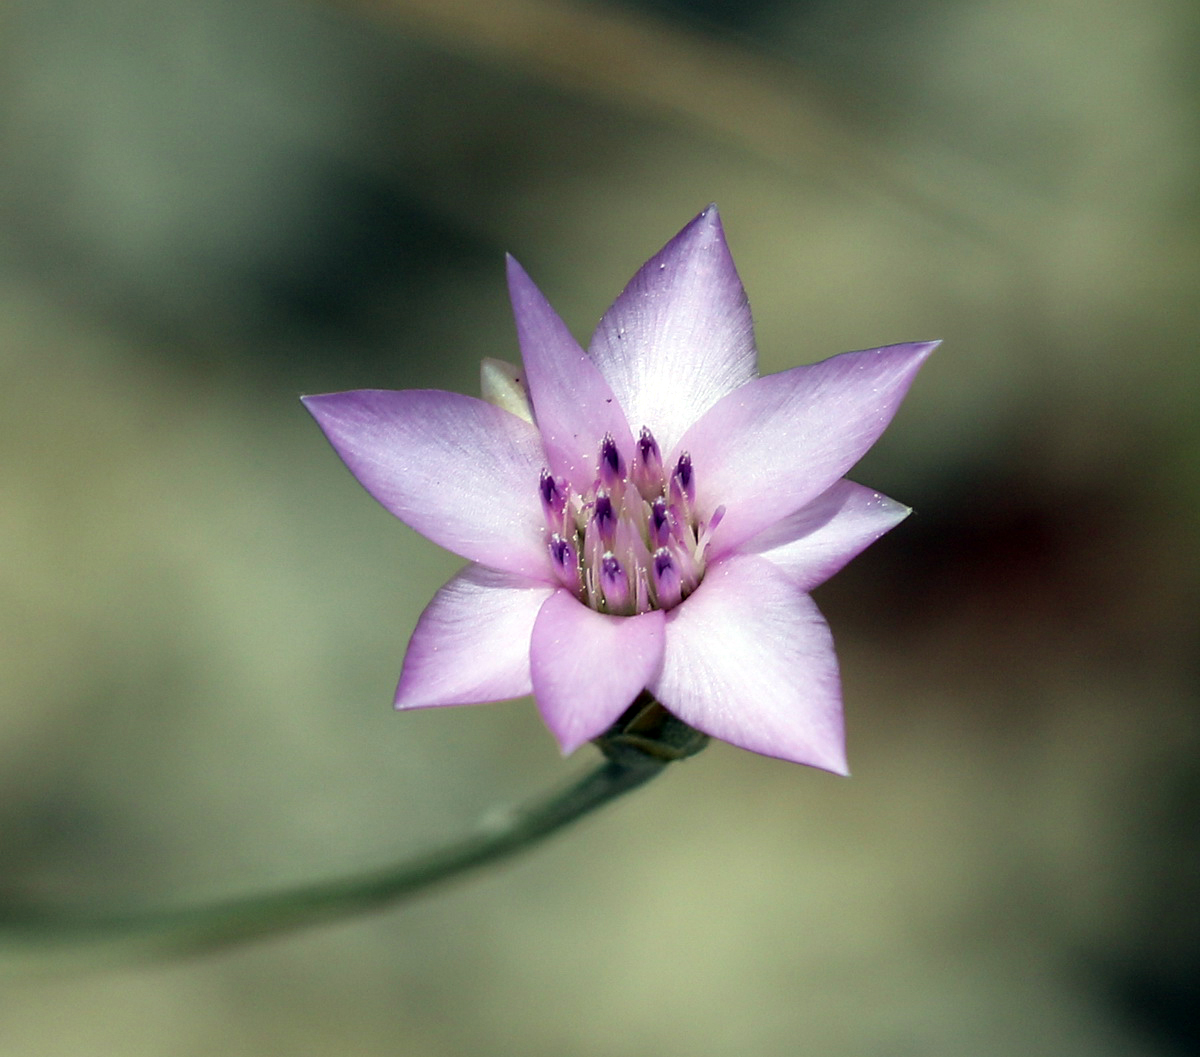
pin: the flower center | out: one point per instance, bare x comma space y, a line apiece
633, 542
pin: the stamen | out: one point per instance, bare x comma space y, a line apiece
683, 535
648, 448
660, 523
647, 474
628, 544
605, 517
667, 584
611, 466
690, 570
614, 583
683, 483
566, 562
706, 534
553, 491
641, 591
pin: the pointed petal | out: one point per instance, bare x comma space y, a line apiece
472, 642
782, 440
458, 470
572, 403
821, 537
588, 666
750, 660
680, 335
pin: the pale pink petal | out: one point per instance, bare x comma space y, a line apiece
471, 644
588, 666
457, 469
780, 441
750, 660
680, 335
818, 539
572, 403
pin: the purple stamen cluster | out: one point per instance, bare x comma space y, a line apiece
634, 541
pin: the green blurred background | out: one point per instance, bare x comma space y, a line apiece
209, 207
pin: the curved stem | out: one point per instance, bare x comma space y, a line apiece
637, 747
199, 928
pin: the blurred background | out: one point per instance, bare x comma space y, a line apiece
209, 207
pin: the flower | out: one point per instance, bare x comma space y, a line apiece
650, 514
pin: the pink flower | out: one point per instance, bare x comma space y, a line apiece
648, 515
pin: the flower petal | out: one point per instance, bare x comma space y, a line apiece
588, 666
472, 642
818, 539
750, 660
572, 403
680, 335
458, 470
503, 384
780, 441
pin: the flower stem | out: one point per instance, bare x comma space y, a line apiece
633, 757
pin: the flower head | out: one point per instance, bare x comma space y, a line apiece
650, 514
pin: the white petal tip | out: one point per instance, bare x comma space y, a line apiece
567, 748
404, 703
835, 764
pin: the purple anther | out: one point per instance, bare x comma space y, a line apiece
553, 491
683, 481
660, 522
614, 583
668, 587
611, 468
648, 450
605, 517
647, 474
566, 561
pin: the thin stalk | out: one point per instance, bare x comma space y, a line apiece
637, 748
